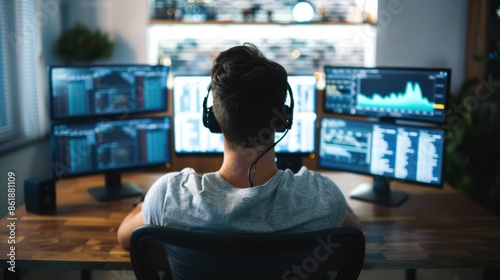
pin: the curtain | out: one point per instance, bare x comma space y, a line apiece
476, 39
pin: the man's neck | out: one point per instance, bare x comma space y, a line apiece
237, 161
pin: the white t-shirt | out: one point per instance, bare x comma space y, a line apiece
287, 203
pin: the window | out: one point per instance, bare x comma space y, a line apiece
7, 129
20, 70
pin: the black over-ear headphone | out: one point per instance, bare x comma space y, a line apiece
285, 117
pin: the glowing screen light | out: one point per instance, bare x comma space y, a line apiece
303, 12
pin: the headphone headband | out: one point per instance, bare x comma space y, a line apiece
211, 123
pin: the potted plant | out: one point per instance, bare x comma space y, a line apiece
472, 144
80, 44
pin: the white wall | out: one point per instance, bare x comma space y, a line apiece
125, 21
50, 20
423, 33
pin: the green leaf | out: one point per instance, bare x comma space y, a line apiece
82, 44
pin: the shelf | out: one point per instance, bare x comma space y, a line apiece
221, 22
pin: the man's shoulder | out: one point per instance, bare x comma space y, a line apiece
310, 177
172, 178
185, 172
305, 172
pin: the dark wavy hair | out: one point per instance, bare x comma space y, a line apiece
247, 88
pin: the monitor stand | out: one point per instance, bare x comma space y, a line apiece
379, 192
114, 189
290, 161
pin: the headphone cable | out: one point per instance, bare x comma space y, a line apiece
251, 177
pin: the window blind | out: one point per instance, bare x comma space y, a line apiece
21, 97
7, 128
27, 42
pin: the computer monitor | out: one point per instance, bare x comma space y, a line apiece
385, 151
405, 93
191, 137
301, 139
106, 90
110, 147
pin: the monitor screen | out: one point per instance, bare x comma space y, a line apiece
89, 91
301, 138
190, 134
192, 137
405, 93
396, 151
86, 148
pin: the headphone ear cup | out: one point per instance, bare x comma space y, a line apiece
210, 122
208, 117
286, 123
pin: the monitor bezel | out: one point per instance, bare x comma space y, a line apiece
389, 117
53, 117
103, 171
440, 185
213, 153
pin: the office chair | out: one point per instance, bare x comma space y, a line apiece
159, 252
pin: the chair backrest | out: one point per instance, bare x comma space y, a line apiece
159, 252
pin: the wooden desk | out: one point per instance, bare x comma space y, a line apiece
432, 229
